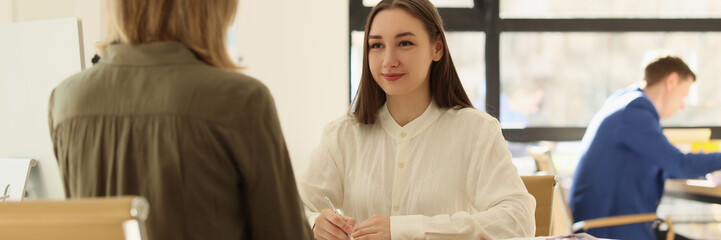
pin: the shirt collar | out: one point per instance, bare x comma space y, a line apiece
413, 128
154, 53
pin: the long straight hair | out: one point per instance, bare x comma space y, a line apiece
200, 25
445, 85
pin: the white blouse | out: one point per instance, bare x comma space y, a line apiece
447, 174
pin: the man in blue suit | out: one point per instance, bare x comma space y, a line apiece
626, 157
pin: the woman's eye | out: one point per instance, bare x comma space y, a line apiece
376, 45
406, 43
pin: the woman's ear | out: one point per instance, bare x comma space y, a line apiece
438, 50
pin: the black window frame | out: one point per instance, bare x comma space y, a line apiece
485, 17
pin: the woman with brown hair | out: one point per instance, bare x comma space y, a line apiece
163, 115
414, 159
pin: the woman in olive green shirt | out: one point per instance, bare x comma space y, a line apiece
163, 115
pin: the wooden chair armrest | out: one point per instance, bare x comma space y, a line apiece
614, 221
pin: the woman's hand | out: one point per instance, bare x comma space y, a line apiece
376, 227
332, 226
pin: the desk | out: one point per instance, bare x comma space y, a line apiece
686, 203
693, 189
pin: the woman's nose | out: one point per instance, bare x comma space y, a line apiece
390, 59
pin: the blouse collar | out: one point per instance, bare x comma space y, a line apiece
413, 128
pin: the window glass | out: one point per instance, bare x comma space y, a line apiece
556, 79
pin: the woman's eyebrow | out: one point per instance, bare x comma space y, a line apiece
400, 35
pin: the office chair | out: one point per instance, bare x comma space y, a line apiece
90, 218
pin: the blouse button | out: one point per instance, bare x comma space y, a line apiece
401, 165
403, 134
396, 208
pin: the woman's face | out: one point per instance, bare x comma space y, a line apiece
400, 53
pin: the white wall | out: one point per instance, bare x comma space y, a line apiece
89, 11
299, 49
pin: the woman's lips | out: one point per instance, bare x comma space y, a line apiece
393, 76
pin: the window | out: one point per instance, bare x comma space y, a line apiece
467, 50
561, 79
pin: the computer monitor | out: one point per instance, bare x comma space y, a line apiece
35, 57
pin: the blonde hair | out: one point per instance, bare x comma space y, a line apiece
201, 25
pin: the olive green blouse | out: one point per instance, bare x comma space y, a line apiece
202, 144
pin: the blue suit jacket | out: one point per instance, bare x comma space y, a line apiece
625, 163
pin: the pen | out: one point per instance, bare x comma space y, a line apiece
336, 211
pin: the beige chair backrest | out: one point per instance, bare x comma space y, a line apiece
562, 217
541, 187
78, 219
542, 157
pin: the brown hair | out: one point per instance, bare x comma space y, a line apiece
445, 85
201, 25
660, 68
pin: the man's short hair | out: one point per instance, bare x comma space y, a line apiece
662, 67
